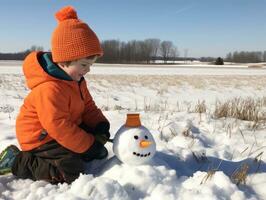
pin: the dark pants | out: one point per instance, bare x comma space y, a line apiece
50, 162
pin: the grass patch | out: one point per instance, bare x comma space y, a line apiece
248, 109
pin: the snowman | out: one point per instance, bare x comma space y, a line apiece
133, 143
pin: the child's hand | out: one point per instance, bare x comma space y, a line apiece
94, 152
101, 138
102, 131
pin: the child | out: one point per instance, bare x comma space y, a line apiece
59, 121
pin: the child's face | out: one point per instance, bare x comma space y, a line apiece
77, 69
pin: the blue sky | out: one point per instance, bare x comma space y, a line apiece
204, 27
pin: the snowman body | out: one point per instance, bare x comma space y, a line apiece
134, 145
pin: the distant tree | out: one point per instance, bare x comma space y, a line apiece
153, 46
145, 50
137, 51
229, 57
219, 61
168, 50
247, 57
35, 48
111, 50
165, 49
207, 59
174, 52
19, 55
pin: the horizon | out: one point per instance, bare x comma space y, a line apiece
203, 29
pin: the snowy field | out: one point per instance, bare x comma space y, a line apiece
198, 155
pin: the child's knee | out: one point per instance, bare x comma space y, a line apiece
20, 166
70, 167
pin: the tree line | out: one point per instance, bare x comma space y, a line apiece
138, 51
147, 51
246, 56
115, 51
19, 55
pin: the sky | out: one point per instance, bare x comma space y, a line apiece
200, 27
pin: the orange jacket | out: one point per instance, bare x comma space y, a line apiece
56, 106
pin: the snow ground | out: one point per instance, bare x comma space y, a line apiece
198, 165
138, 69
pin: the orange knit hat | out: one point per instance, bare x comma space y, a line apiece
73, 39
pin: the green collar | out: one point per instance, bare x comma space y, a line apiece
52, 68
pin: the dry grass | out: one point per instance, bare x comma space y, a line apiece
200, 108
257, 160
256, 66
211, 171
239, 176
160, 86
162, 82
209, 175
248, 109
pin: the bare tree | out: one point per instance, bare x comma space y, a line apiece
246, 56
165, 49
168, 50
152, 47
36, 48
145, 50
174, 53
264, 56
111, 50
137, 51
20, 55
229, 57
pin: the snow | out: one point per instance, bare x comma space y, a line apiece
185, 70
197, 155
138, 69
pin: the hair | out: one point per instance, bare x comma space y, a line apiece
67, 63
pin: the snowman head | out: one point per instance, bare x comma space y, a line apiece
133, 143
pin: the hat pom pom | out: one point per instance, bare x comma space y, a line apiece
65, 13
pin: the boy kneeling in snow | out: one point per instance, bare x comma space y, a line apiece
59, 121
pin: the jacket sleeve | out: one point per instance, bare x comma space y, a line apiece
92, 114
53, 112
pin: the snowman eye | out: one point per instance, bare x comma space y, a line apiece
136, 137
146, 137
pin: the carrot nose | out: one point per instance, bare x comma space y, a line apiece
144, 143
